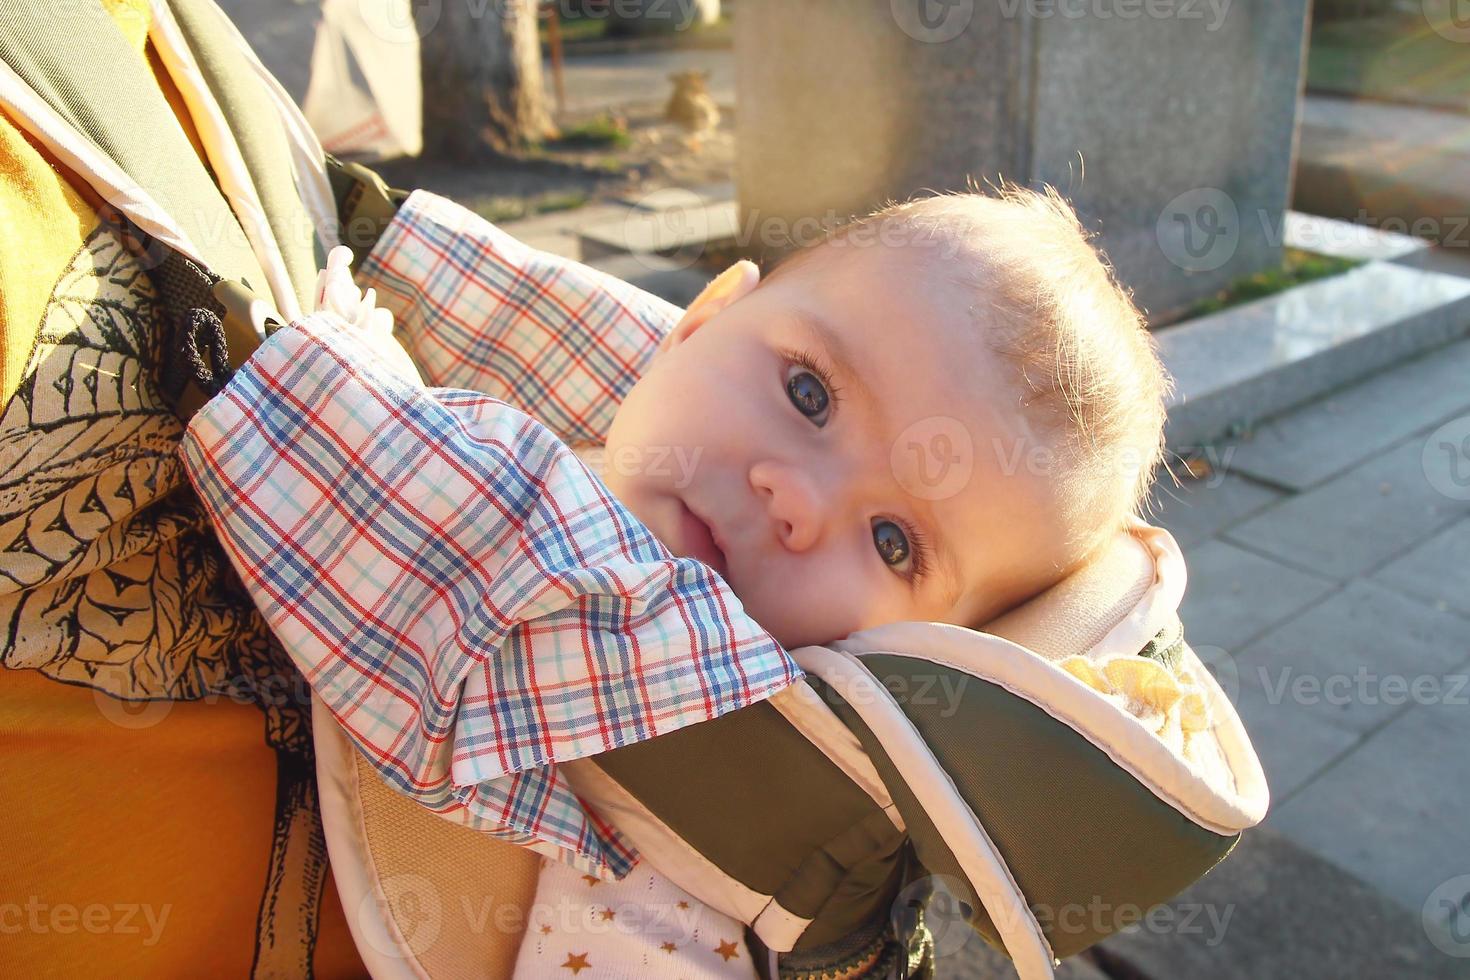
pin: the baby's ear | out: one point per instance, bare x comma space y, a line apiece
735, 282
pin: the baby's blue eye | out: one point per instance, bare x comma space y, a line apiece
807, 393
892, 543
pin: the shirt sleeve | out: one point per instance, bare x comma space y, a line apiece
481, 310
469, 600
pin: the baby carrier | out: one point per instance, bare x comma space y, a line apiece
1057, 773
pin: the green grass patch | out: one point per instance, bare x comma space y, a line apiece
1396, 57
1297, 267
602, 130
498, 210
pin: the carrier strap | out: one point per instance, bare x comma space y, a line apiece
365, 205
212, 325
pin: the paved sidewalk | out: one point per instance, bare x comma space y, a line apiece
1328, 583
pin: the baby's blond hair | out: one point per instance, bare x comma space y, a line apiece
1087, 367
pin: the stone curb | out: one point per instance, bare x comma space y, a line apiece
1235, 368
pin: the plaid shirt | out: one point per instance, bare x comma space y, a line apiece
466, 597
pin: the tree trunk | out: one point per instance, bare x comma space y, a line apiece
481, 70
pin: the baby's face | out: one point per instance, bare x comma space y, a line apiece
901, 488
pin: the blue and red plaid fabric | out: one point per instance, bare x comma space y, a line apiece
466, 597
480, 310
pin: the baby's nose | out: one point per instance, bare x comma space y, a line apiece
793, 499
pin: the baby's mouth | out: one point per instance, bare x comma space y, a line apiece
697, 540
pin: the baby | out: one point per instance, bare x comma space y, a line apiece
933, 415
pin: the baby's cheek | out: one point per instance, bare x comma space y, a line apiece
814, 610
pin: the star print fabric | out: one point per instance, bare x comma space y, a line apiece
642, 927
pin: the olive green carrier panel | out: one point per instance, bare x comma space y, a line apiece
256, 125
1027, 776
758, 799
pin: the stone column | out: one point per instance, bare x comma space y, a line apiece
1170, 124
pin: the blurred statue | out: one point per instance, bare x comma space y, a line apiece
691, 107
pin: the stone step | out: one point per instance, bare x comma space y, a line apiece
670, 279
1242, 365
686, 226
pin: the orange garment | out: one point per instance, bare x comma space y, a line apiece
144, 838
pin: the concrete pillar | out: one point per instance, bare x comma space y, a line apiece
1180, 113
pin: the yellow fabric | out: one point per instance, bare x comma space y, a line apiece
1172, 706
41, 209
136, 836
143, 838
